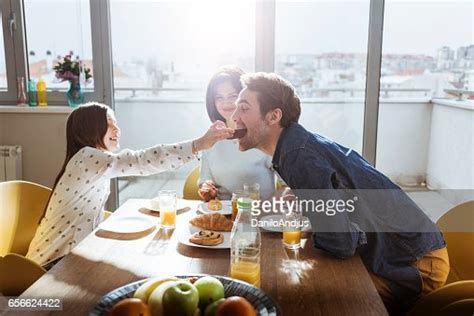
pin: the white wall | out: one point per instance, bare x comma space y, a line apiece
451, 150
43, 140
402, 141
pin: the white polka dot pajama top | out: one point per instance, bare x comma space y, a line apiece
76, 204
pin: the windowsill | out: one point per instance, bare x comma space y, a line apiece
461, 104
48, 109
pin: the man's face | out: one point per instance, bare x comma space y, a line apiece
247, 115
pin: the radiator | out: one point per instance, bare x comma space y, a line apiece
10, 163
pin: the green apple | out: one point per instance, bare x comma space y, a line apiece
155, 300
211, 308
180, 299
210, 290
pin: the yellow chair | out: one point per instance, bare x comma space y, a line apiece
437, 301
21, 209
462, 307
457, 226
17, 273
190, 189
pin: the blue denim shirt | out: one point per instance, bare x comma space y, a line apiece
309, 161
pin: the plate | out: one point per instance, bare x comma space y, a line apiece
276, 218
186, 232
263, 304
127, 224
226, 208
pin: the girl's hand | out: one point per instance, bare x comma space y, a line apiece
208, 191
218, 131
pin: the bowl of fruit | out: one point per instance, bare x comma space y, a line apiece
191, 295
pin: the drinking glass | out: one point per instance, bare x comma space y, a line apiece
168, 202
292, 227
253, 190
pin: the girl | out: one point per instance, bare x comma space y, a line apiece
82, 186
224, 168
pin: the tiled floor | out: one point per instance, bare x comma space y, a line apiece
431, 202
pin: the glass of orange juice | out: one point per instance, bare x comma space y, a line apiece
168, 202
245, 266
292, 228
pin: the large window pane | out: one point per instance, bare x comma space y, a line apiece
55, 28
322, 51
3, 65
424, 142
163, 58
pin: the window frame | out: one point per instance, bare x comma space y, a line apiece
16, 48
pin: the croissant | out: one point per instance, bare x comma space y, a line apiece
215, 221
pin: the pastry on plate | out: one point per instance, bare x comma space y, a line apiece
214, 221
214, 205
207, 238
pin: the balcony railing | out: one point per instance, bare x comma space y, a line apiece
158, 94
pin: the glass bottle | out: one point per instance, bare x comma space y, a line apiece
245, 245
32, 92
21, 98
42, 98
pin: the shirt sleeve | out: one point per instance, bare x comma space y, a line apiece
143, 162
205, 172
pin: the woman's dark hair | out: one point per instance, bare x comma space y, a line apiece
224, 74
86, 126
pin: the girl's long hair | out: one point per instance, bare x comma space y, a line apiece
86, 126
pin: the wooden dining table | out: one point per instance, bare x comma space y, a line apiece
303, 282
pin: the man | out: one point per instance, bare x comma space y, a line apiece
403, 250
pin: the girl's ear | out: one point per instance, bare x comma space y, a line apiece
274, 117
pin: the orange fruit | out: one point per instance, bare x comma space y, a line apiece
130, 307
235, 306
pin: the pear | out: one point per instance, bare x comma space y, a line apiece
145, 290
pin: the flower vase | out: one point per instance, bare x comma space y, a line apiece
75, 95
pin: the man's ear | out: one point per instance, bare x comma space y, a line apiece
274, 117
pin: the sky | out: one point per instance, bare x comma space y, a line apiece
204, 30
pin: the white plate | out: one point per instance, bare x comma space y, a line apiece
277, 218
186, 232
225, 210
127, 224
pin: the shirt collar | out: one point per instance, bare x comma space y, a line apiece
292, 137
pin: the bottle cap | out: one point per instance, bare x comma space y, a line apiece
244, 203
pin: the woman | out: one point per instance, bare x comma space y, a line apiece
82, 186
224, 168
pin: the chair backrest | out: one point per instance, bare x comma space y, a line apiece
22, 205
457, 226
190, 189
17, 273
436, 301
462, 307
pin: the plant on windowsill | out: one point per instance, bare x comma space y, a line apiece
71, 70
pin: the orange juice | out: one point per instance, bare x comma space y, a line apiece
292, 237
246, 271
168, 218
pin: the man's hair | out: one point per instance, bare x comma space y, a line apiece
274, 92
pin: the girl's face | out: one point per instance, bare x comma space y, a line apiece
225, 98
112, 136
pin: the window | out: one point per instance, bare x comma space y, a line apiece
3, 65
427, 48
163, 58
322, 51
56, 28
